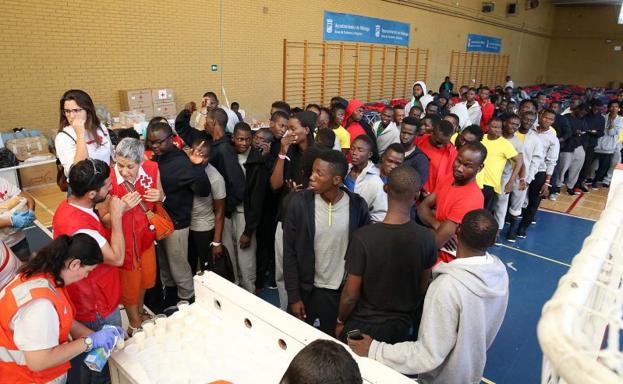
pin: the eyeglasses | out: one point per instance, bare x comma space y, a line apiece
68, 112
159, 142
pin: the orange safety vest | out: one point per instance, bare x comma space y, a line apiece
19, 292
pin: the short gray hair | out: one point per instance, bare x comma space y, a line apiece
131, 149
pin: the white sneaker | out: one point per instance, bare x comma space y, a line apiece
553, 197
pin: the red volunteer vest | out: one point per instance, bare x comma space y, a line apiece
138, 237
100, 291
16, 294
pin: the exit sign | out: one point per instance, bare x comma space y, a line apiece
214, 67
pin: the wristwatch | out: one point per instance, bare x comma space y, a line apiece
215, 244
89, 343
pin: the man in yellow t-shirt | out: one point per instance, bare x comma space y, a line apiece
499, 151
337, 115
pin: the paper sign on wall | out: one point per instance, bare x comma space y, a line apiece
346, 27
481, 43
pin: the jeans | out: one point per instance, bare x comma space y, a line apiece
79, 372
604, 165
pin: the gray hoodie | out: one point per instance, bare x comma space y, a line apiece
463, 311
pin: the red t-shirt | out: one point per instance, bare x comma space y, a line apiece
100, 291
487, 113
440, 161
454, 201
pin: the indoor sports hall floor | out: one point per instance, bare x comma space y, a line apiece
534, 264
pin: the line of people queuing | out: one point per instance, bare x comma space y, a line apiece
352, 220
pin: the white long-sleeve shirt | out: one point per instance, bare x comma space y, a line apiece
551, 147
370, 186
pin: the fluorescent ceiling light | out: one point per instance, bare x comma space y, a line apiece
621, 14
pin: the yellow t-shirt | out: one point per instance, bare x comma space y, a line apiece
499, 151
520, 136
343, 136
453, 138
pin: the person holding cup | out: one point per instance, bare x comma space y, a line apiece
37, 317
138, 271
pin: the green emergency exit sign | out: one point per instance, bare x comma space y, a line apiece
214, 67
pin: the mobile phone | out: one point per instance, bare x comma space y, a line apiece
355, 334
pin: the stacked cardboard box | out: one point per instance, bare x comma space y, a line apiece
151, 102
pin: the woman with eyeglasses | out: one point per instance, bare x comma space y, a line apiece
80, 134
37, 317
135, 181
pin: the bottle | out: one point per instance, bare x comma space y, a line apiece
97, 358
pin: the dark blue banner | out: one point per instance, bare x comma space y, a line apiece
480, 43
345, 27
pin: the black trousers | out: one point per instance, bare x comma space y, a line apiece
322, 304
491, 198
604, 165
390, 331
588, 163
199, 250
534, 199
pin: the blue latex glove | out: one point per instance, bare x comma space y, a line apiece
106, 338
22, 219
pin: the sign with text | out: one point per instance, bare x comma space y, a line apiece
345, 27
480, 43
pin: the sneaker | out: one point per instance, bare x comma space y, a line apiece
595, 186
511, 237
553, 197
521, 232
168, 311
571, 191
583, 189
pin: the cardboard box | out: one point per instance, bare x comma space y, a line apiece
26, 147
165, 110
38, 175
162, 95
134, 99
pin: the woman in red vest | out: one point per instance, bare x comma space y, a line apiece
37, 316
138, 272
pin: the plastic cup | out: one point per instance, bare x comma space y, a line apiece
159, 333
148, 327
161, 321
139, 338
183, 305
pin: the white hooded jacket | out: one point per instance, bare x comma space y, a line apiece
463, 311
423, 100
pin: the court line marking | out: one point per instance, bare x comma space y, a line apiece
543, 209
43, 228
534, 255
487, 381
575, 202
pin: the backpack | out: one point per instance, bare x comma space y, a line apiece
7, 158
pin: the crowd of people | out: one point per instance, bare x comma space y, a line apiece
375, 232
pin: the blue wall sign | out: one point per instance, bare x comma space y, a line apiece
345, 27
480, 43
